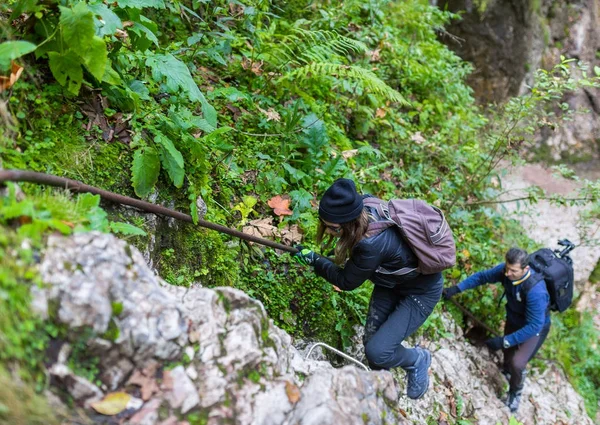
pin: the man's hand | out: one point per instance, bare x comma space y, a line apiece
305, 256
495, 344
448, 293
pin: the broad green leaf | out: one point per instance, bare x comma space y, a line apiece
18, 209
87, 201
210, 114
138, 87
597, 70
60, 226
176, 74
23, 6
141, 29
139, 4
11, 50
145, 169
98, 219
111, 76
105, 20
78, 31
171, 159
96, 57
295, 174
66, 68
126, 229
77, 26
112, 404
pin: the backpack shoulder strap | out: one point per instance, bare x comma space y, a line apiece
531, 282
376, 227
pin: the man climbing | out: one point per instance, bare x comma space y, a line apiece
527, 316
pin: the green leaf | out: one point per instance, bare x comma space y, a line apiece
11, 50
126, 229
210, 114
139, 4
78, 31
66, 68
145, 169
176, 74
23, 6
96, 58
143, 30
597, 70
138, 87
111, 76
171, 159
87, 201
105, 20
77, 25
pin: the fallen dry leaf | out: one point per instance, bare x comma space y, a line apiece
380, 113
292, 391
112, 403
262, 228
349, 153
15, 73
255, 67
374, 55
280, 205
417, 138
272, 114
147, 384
291, 235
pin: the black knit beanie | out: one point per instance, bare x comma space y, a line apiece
341, 203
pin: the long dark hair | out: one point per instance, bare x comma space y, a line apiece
351, 234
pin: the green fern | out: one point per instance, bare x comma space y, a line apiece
305, 46
367, 79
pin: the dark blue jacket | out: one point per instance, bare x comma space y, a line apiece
529, 314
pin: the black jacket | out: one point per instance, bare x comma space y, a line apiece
386, 249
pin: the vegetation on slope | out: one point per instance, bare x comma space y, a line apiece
237, 102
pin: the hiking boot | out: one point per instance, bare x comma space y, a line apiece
512, 401
417, 375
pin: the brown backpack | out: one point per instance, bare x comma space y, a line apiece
422, 226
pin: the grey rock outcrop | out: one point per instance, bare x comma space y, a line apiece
232, 365
214, 356
508, 40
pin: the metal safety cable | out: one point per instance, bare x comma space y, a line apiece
77, 186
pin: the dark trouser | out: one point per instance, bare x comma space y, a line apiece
517, 357
392, 318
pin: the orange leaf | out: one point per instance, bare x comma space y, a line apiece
292, 391
15, 73
280, 205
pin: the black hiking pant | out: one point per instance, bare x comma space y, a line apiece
393, 317
517, 357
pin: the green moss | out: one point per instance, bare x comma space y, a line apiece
20, 405
595, 275
195, 254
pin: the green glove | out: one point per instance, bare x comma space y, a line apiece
305, 256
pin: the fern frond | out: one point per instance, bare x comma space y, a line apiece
305, 46
366, 78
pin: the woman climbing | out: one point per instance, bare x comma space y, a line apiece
400, 303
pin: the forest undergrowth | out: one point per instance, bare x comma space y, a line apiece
253, 104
